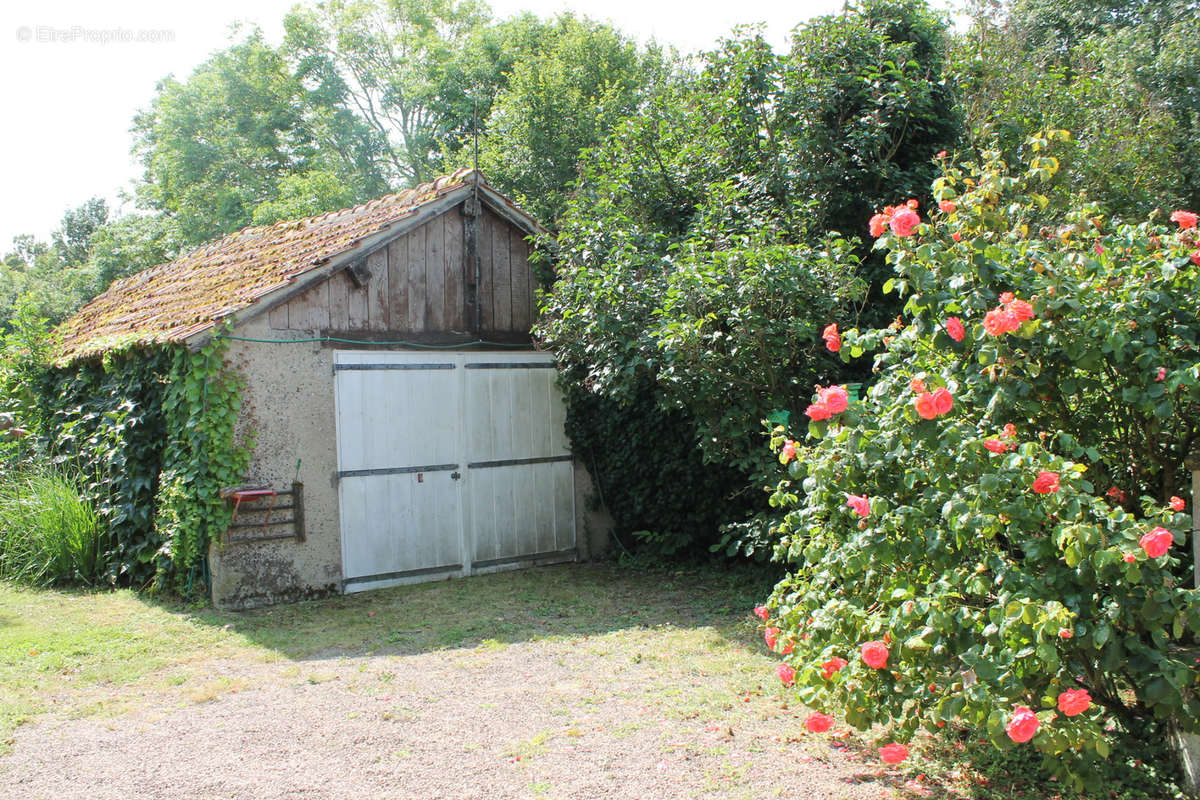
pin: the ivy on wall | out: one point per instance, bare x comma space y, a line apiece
201, 455
105, 422
153, 431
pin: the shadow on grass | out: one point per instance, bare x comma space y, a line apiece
559, 601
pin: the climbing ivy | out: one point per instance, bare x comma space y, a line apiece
103, 420
201, 455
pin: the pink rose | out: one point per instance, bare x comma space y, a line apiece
924, 405
1010, 430
904, 222
874, 654
786, 674
818, 411
954, 327
860, 503
1195, 257
956, 236
1021, 310
940, 154
1186, 219
833, 340
1157, 542
1162, 374
1116, 494
771, 635
788, 452
995, 445
946, 207
818, 722
1074, 702
762, 612
893, 753
1006, 298
1023, 725
1000, 321
1129, 558
943, 401
831, 666
1066, 633
1176, 503
916, 385
834, 398
878, 225
1046, 482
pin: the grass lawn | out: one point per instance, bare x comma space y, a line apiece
71, 651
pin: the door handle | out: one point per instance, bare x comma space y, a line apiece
455, 476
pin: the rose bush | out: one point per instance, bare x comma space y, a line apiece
993, 584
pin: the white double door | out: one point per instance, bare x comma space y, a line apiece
449, 463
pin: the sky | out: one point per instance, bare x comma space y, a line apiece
76, 73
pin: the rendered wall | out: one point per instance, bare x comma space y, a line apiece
288, 406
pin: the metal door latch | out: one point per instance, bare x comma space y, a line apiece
455, 476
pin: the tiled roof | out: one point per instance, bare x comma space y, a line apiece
174, 301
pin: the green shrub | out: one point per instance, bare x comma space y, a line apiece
995, 535
48, 533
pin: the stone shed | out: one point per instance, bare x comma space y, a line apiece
404, 426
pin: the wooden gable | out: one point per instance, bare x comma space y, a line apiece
458, 273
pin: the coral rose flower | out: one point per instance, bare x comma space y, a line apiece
1023, 725
833, 665
1021, 310
1116, 494
833, 339
954, 327
924, 405
786, 674
1186, 219
946, 207
1130, 558
943, 401
874, 654
916, 385
995, 445
1074, 702
762, 612
1162, 374
818, 722
788, 452
1010, 430
771, 635
835, 398
893, 753
860, 503
1157, 542
904, 222
1177, 504
1046, 482
818, 411
878, 225
1000, 321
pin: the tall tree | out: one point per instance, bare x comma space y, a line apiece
562, 97
394, 59
219, 144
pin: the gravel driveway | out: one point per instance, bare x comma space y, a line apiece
560, 717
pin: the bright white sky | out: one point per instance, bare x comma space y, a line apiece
71, 97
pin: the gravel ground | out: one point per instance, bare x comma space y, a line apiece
536, 719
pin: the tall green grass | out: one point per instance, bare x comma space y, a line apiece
48, 533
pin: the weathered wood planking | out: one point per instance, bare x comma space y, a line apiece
416, 281
522, 297
455, 264
397, 253
486, 295
417, 284
435, 275
502, 301
377, 291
